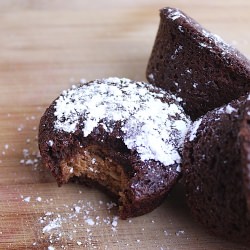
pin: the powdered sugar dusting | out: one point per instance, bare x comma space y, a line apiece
153, 128
78, 224
27, 199
212, 39
194, 129
52, 225
174, 13
228, 109
90, 222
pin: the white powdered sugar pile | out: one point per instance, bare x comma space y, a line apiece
155, 129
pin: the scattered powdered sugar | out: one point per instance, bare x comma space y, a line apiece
155, 129
27, 199
195, 84
82, 218
180, 28
52, 225
151, 77
115, 221
79, 243
50, 143
228, 109
90, 221
39, 199
176, 52
180, 232
86, 224
174, 13
178, 169
212, 39
30, 152
31, 158
77, 209
194, 128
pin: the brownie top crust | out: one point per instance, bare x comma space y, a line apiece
150, 120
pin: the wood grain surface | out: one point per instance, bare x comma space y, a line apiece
45, 47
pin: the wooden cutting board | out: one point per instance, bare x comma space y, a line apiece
45, 47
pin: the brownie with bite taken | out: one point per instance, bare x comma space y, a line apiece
121, 135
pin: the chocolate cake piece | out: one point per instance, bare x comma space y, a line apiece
216, 170
195, 65
122, 135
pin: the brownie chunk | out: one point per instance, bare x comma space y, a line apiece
122, 135
216, 170
195, 65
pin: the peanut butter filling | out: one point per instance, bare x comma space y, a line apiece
94, 164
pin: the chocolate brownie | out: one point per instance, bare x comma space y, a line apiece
123, 135
216, 170
195, 65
